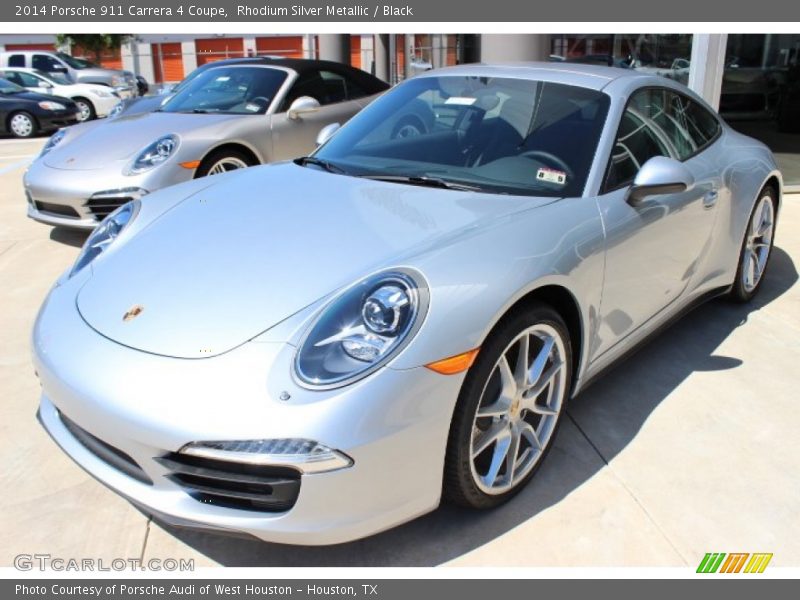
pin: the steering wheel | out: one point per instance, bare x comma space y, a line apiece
550, 160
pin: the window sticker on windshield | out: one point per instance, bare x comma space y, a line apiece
460, 100
223, 78
551, 176
252, 107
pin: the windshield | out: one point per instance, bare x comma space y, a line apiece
514, 136
230, 90
55, 77
76, 63
6, 87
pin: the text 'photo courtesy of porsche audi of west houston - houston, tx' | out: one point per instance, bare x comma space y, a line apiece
228, 116
317, 350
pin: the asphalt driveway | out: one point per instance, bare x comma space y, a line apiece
691, 446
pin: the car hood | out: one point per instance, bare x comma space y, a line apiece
30, 97
100, 144
246, 253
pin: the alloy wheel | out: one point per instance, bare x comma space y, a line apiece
229, 163
84, 111
758, 243
518, 410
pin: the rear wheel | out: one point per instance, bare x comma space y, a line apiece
756, 248
22, 125
86, 111
223, 161
509, 409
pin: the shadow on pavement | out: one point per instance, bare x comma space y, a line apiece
70, 237
614, 409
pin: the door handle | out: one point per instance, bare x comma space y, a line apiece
710, 199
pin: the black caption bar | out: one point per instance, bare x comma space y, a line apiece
394, 589
442, 11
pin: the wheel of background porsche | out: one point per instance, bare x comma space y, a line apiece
408, 127
509, 409
223, 161
756, 247
86, 110
22, 125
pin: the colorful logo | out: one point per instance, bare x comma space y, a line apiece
734, 562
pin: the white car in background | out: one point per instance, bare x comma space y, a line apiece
93, 100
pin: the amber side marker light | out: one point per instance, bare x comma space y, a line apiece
454, 364
192, 164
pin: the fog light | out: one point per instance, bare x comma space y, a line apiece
306, 456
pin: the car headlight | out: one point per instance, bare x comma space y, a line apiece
152, 156
54, 141
50, 105
117, 109
103, 94
116, 80
362, 329
105, 234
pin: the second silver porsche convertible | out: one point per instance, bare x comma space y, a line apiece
229, 116
315, 351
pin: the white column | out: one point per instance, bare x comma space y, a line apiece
143, 61
249, 46
189, 53
383, 62
513, 47
128, 53
335, 47
708, 65
2, 47
309, 50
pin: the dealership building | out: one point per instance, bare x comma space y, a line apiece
752, 79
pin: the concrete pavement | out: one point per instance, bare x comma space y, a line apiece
689, 447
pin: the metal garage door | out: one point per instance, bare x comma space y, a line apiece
47, 47
290, 46
209, 50
167, 62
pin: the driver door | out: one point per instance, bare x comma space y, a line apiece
653, 249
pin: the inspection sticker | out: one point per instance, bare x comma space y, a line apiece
551, 176
460, 100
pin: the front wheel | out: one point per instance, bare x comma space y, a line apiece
22, 125
756, 248
509, 409
222, 161
86, 111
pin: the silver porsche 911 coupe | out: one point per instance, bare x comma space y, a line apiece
314, 351
237, 114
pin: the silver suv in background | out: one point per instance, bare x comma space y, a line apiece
78, 70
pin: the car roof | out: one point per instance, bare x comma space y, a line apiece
590, 76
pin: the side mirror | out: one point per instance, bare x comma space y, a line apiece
659, 175
327, 132
302, 105
47, 84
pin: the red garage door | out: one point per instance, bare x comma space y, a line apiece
167, 62
355, 51
110, 59
289, 46
209, 50
48, 47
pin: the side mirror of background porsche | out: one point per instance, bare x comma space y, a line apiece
327, 132
302, 105
659, 175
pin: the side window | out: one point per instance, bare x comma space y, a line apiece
308, 84
335, 87
702, 125
16, 60
28, 80
12, 76
638, 140
45, 63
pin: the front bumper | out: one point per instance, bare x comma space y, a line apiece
393, 424
82, 198
54, 119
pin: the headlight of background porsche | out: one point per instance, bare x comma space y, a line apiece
362, 329
152, 156
105, 234
54, 140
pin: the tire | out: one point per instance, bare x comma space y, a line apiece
408, 126
468, 475
758, 248
86, 108
22, 125
222, 161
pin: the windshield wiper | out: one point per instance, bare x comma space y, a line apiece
427, 181
319, 162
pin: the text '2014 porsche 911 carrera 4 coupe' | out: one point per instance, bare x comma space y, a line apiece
314, 351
